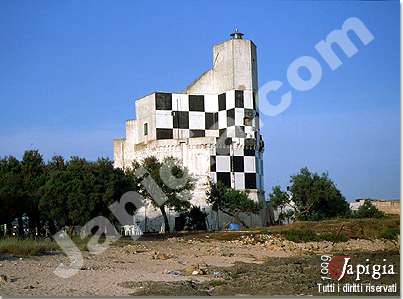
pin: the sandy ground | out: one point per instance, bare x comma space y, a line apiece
169, 260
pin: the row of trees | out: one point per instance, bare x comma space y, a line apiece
57, 193
50, 195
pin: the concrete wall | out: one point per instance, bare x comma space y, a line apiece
386, 206
234, 67
145, 113
195, 154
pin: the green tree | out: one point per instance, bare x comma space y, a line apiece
170, 177
33, 178
316, 196
195, 218
230, 201
281, 200
368, 210
12, 198
79, 190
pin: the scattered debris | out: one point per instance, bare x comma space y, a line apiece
226, 252
3, 278
173, 273
197, 269
160, 256
134, 249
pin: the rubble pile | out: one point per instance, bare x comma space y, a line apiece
277, 243
135, 248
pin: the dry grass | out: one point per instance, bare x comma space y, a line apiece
26, 247
367, 228
304, 231
30, 247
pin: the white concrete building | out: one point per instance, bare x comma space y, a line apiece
212, 126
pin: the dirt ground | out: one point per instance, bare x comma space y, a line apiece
202, 264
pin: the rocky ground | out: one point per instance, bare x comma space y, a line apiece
254, 264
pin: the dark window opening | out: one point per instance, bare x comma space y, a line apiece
222, 102
239, 99
212, 164
145, 129
247, 121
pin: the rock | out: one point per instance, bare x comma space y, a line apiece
189, 269
172, 272
3, 278
226, 253
160, 256
195, 272
29, 287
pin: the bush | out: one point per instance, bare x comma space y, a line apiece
196, 219
390, 233
333, 237
368, 210
297, 235
216, 282
307, 235
26, 247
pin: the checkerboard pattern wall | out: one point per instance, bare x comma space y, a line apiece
231, 118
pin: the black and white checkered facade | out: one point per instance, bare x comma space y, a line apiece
232, 118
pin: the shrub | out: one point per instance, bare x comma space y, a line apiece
299, 235
368, 210
216, 282
333, 237
390, 233
196, 219
307, 235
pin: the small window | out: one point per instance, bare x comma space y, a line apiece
145, 129
247, 121
239, 99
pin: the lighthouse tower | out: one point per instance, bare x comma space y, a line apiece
212, 126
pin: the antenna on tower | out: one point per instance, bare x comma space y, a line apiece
236, 34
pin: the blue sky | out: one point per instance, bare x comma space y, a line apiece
70, 71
